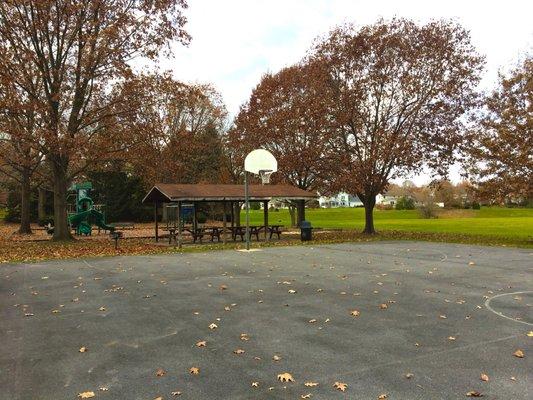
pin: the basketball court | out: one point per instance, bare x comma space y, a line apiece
407, 320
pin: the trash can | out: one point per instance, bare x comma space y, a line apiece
305, 231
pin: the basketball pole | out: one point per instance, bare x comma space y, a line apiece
247, 201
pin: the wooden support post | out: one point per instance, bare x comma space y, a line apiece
179, 225
265, 216
156, 223
194, 219
232, 204
224, 239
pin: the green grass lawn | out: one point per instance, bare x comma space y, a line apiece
509, 223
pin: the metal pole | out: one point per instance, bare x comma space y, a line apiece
247, 210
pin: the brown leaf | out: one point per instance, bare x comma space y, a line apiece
201, 343
484, 377
255, 384
340, 386
305, 396
285, 377
355, 313
194, 370
409, 375
311, 384
213, 326
276, 358
383, 306
101, 309
160, 372
239, 351
176, 393
86, 395
83, 349
383, 396
473, 393
519, 353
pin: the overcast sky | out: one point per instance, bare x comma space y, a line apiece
234, 42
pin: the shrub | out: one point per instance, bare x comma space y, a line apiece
476, 205
405, 203
427, 209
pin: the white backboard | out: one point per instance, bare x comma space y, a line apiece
260, 160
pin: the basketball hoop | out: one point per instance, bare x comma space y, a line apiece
259, 162
265, 176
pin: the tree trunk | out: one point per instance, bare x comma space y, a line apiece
41, 205
301, 211
369, 202
61, 229
25, 194
292, 213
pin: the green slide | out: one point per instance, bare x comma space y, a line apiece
82, 221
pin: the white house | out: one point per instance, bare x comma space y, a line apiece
339, 200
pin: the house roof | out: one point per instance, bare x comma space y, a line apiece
171, 192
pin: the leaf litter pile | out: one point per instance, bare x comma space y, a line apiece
248, 329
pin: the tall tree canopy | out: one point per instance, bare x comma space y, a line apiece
179, 129
287, 116
79, 49
502, 145
397, 94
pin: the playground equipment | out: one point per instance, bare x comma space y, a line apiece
86, 213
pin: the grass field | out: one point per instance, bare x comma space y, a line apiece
509, 223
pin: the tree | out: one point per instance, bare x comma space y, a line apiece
80, 48
20, 157
179, 127
286, 115
397, 94
502, 145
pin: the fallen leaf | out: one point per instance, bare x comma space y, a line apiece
239, 351
451, 338
530, 334
276, 358
86, 395
292, 291
255, 384
176, 393
194, 370
223, 287
285, 377
83, 349
101, 309
160, 372
305, 396
55, 311
383, 396
29, 314
213, 326
202, 343
340, 386
383, 306
409, 375
311, 384
159, 398
473, 393
519, 354
484, 377
312, 321
355, 313
443, 316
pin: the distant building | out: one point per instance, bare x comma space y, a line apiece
386, 200
339, 200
